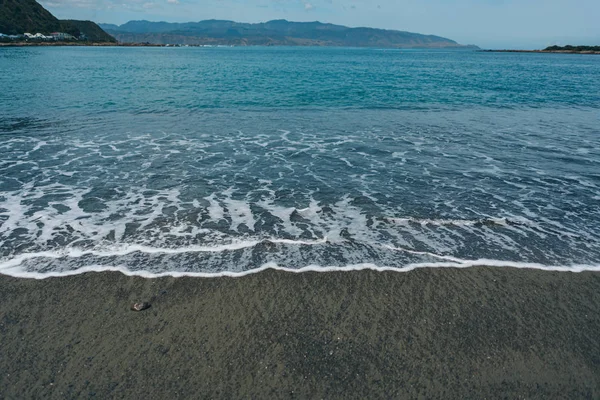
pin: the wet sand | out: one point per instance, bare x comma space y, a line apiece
430, 333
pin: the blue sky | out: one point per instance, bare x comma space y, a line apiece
488, 23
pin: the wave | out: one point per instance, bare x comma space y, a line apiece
126, 249
163, 197
16, 273
458, 222
13, 267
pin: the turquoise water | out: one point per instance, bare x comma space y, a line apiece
209, 160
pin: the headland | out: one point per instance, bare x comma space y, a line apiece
555, 49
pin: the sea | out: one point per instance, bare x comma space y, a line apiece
231, 160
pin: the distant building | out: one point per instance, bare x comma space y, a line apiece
62, 36
4, 36
38, 36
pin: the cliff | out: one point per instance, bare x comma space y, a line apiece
20, 16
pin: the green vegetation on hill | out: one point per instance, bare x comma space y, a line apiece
573, 48
20, 16
275, 33
90, 29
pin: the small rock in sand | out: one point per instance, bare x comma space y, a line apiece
141, 306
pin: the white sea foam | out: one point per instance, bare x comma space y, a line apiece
160, 216
16, 272
454, 222
207, 200
283, 213
240, 213
215, 211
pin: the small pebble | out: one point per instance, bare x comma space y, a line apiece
141, 306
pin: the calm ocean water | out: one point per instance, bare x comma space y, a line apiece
208, 160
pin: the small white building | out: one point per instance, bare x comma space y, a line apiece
38, 36
62, 36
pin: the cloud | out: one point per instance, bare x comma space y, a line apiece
132, 5
173, 1
308, 6
70, 3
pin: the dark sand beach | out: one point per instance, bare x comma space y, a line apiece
431, 333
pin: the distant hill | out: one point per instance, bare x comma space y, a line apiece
574, 49
90, 29
20, 16
276, 33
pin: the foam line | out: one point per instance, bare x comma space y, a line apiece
129, 249
422, 253
310, 268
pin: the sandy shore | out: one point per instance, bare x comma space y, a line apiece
430, 333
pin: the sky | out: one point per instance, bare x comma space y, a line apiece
515, 24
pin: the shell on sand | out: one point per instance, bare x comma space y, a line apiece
140, 306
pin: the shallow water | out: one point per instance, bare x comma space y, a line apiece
212, 160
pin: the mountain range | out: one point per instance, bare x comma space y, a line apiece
272, 33
20, 16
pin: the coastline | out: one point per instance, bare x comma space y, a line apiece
127, 44
445, 332
121, 44
77, 44
541, 51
